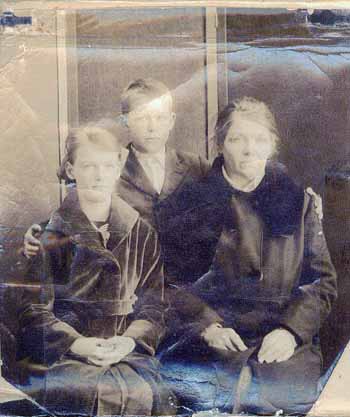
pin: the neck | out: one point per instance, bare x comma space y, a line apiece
96, 211
242, 182
161, 150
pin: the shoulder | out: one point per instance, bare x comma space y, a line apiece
123, 216
145, 236
313, 201
192, 160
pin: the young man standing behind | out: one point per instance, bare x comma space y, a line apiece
153, 171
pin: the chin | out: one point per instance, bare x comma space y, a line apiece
253, 171
96, 196
153, 147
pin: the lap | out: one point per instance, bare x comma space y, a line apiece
132, 386
208, 380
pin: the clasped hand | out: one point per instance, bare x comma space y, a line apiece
277, 346
103, 352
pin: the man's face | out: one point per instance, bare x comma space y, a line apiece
95, 171
150, 123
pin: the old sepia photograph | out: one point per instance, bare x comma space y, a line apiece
174, 209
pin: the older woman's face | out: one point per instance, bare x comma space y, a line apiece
247, 146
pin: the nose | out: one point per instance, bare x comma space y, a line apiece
248, 146
98, 173
150, 124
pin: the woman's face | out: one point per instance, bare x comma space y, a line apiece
247, 146
95, 171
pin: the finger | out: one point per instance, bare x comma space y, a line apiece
106, 361
272, 355
105, 347
29, 254
32, 247
230, 345
237, 341
284, 356
218, 344
97, 362
263, 349
107, 355
36, 228
32, 241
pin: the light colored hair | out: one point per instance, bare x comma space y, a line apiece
143, 87
86, 135
252, 109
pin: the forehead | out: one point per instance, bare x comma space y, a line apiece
249, 124
144, 103
92, 152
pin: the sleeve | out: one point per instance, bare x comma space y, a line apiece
46, 339
317, 290
148, 325
204, 166
188, 313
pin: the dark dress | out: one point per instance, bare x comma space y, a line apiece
266, 266
87, 289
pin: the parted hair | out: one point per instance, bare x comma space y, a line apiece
147, 87
252, 109
86, 135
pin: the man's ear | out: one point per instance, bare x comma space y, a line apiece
124, 120
69, 170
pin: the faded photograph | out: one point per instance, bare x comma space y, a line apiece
174, 211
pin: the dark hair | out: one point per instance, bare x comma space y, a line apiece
85, 135
146, 87
252, 108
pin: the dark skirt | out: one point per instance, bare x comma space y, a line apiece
234, 382
131, 387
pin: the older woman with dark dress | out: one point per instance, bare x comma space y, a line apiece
254, 239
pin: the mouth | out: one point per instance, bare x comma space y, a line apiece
99, 188
152, 139
249, 163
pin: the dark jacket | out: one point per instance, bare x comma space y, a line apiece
265, 251
88, 289
181, 168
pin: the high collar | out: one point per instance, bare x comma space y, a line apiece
70, 220
277, 199
175, 172
158, 157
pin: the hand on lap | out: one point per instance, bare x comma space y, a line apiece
277, 346
223, 338
103, 352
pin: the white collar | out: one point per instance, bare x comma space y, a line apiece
159, 157
251, 186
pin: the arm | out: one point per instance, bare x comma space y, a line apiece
46, 338
317, 289
148, 325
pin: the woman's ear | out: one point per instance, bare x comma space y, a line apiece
69, 170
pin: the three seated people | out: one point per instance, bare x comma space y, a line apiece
245, 259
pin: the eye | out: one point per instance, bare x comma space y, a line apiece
232, 139
88, 165
138, 116
162, 117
